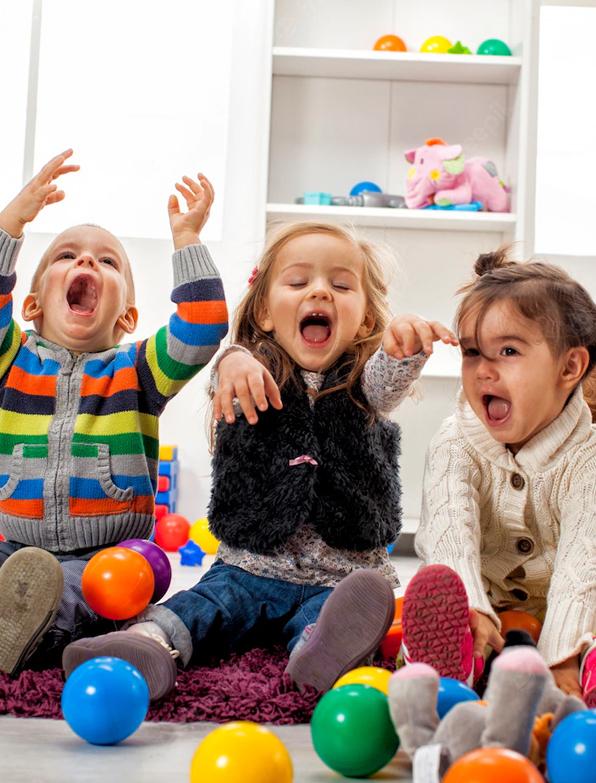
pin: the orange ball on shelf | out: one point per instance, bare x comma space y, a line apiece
172, 532
512, 619
118, 583
390, 43
493, 765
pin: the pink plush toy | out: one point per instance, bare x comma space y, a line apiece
439, 175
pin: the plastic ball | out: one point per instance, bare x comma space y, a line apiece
390, 43
201, 535
352, 731
105, 700
241, 752
571, 751
513, 619
374, 676
391, 643
436, 44
493, 765
451, 692
157, 559
118, 583
495, 47
365, 186
171, 532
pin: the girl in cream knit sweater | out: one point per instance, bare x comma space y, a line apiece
510, 481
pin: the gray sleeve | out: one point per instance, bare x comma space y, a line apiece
386, 380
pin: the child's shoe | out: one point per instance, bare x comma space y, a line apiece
31, 585
352, 623
587, 677
150, 654
436, 624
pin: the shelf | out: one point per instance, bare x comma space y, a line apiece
401, 66
422, 219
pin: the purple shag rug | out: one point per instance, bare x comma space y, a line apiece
247, 686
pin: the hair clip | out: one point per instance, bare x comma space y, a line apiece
253, 275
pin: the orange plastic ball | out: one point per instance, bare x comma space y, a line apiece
390, 43
391, 642
493, 765
118, 583
513, 619
172, 532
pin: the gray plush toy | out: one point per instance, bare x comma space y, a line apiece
520, 687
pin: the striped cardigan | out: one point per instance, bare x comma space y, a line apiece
79, 434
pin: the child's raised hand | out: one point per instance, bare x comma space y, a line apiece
35, 195
242, 376
566, 676
485, 633
186, 226
408, 334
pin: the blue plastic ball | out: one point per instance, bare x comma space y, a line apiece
360, 187
571, 751
105, 700
451, 692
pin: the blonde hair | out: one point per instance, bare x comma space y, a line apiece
247, 332
44, 261
540, 292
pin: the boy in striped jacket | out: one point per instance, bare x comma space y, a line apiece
79, 411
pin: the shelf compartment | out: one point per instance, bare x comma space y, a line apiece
395, 66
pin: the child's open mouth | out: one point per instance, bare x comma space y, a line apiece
82, 295
315, 329
498, 409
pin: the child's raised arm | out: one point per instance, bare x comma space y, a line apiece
36, 194
186, 226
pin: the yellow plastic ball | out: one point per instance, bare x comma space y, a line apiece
436, 44
367, 675
201, 535
241, 752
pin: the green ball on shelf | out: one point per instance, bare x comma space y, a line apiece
494, 46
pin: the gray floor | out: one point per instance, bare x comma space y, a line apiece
46, 751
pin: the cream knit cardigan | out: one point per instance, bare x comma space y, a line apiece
523, 522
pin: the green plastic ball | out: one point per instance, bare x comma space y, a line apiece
352, 731
495, 47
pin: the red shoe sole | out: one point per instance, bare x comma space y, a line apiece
436, 620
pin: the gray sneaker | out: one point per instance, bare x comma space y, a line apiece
352, 623
31, 585
153, 657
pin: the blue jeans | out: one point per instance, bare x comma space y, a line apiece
231, 608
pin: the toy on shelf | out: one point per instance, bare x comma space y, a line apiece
171, 532
118, 583
191, 554
390, 43
571, 752
439, 175
201, 535
495, 47
352, 732
157, 559
167, 481
241, 752
364, 199
436, 44
365, 187
458, 48
105, 700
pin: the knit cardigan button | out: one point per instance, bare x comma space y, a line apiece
525, 546
517, 481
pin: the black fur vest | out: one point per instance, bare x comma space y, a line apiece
351, 496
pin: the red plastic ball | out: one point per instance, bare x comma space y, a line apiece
171, 532
493, 765
391, 643
118, 583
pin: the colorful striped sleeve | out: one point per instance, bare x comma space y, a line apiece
10, 332
170, 358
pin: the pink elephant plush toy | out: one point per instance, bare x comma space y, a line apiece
439, 175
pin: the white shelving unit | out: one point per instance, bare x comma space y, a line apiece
342, 113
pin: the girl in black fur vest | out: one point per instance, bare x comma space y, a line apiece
306, 495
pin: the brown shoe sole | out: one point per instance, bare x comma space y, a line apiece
148, 656
351, 625
31, 585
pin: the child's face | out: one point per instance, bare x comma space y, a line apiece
81, 300
316, 304
519, 389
